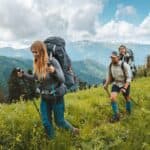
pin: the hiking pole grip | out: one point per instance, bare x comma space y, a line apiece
37, 109
106, 89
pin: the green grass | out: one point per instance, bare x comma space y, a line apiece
21, 128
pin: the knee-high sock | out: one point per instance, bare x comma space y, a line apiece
128, 106
115, 107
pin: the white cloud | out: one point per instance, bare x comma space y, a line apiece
115, 30
122, 31
83, 19
145, 26
125, 11
38, 19
19, 20
25, 21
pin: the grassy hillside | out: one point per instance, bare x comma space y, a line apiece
21, 129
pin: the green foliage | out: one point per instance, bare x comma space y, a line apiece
25, 88
7, 65
142, 71
21, 127
2, 98
15, 86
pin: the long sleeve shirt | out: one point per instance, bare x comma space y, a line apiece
52, 80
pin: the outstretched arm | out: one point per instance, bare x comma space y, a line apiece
25, 75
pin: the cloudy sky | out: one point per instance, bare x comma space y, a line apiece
21, 22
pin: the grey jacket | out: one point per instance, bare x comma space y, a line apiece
52, 81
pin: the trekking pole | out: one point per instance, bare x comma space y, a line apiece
34, 103
133, 101
106, 89
36, 107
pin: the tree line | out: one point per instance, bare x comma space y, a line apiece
144, 70
20, 88
26, 90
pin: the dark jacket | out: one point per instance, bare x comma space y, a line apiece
53, 81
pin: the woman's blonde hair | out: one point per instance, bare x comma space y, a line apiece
40, 63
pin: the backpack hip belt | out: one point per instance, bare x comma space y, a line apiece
119, 81
48, 92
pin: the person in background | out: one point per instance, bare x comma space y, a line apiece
127, 55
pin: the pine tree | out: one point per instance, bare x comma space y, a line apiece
15, 87
148, 62
2, 98
21, 87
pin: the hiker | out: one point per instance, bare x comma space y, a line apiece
52, 89
127, 55
120, 76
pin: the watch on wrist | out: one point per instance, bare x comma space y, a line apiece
124, 88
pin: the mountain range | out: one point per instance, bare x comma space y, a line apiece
100, 51
90, 59
83, 50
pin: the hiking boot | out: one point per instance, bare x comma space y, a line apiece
75, 131
115, 118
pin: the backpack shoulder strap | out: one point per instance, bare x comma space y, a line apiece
123, 69
54, 49
50, 56
110, 72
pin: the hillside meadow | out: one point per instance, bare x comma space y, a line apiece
21, 127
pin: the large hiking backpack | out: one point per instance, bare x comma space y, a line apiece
56, 48
131, 63
130, 54
129, 59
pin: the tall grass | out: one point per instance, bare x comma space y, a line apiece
21, 127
